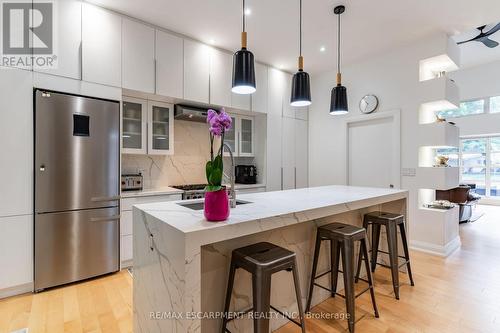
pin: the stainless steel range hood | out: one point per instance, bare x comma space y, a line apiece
190, 113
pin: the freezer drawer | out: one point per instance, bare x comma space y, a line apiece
75, 245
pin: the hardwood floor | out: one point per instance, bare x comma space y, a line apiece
456, 294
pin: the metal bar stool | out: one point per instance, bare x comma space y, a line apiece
342, 239
391, 222
262, 260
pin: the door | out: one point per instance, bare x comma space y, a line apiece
196, 71
301, 154
75, 245
373, 152
101, 46
160, 128
169, 65
288, 159
77, 152
246, 137
220, 78
138, 56
134, 125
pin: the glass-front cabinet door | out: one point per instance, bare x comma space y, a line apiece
230, 138
160, 128
134, 118
246, 136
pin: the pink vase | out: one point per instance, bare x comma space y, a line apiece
216, 205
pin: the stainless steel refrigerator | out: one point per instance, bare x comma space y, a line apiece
77, 171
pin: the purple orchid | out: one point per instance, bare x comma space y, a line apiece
219, 122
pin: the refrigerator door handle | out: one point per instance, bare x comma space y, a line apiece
113, 198
105, 218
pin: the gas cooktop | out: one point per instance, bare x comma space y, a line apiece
190, 187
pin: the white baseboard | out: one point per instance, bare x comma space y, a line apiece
16, 290
127, 263
438, 250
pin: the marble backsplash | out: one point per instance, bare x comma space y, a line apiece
185, 166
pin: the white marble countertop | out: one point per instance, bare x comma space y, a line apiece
151, 192
245, 186
304, 204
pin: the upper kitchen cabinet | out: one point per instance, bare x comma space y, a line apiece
169, 65
101, 46
259, 98
69, 39
134, 128
196, 71
246, 136
160, 128
138, 56
240, 101
220, 77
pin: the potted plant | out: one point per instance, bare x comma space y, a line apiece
216, 198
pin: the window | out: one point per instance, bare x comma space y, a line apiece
469, 108
495, 104
480, 164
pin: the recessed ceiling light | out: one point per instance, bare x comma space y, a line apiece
280, 66
322, 49
248, 11
212, 41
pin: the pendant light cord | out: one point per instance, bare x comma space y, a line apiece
244, 15
338, 48
300, 27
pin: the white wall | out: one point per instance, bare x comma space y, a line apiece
394, 78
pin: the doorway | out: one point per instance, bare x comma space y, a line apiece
373, 150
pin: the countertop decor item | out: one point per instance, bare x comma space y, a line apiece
243, 66
441, 161
301, 84
338, 104
216, 199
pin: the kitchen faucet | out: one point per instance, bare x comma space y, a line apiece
232, 192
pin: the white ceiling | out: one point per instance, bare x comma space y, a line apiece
369, 27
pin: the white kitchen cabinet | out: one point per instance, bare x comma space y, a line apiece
69, 40
302, 113
160, 128
301, 153
259, 98
126, 222
246, 136
134, 125
241, 137
16, 142
240, 101
220, 77
288, 154
196, 71
169, 65
101, 46
230, 138
16, 251
288, 110
276, 86
138, 56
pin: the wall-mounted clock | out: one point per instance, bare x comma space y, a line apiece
368, 104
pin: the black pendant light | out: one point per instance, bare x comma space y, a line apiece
243, 66
301, 86
338, 103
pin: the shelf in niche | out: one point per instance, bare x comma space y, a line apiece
132, 119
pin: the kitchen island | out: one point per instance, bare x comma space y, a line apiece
181, 261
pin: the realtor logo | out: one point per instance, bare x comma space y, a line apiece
28, 37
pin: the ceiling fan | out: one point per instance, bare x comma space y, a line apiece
483, 37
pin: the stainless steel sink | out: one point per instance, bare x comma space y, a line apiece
199, 205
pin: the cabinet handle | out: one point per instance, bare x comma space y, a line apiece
105, 218
154, 68
295, 177
151, 245
282, 178
98, 199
